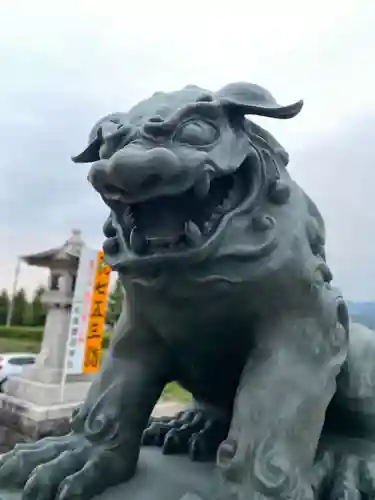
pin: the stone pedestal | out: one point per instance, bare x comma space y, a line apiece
31, 409
50, 362
38, 404
25, 421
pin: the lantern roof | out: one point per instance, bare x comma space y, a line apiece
65, 256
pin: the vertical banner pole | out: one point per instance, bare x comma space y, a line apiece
14, 291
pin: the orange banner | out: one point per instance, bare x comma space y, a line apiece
94, 335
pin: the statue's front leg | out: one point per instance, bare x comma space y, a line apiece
279, 410
103, 446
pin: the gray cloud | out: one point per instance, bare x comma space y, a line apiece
338, 172
64, 66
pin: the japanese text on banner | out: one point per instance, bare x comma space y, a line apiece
94, 337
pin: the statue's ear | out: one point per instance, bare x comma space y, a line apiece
90, 154
103, 128
251, 99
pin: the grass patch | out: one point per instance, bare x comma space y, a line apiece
173, 392
34, 333
17, 345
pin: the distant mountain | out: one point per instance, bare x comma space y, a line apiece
362, 312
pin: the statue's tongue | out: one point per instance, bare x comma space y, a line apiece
161, 219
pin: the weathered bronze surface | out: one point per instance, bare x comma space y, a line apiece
229, 293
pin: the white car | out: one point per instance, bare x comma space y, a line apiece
12, 363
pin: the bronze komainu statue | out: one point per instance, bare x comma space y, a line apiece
228, 293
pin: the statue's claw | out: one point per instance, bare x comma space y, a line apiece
344, 476
192, 431
68, 467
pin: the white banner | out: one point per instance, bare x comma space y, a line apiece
80, 313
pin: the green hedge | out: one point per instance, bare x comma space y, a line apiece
22, 333
31, 333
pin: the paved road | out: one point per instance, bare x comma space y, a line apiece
167, 409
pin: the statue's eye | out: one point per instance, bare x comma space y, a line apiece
196, 133
110, 146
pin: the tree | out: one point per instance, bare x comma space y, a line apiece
4, 306
38, 310
20, 308
115, 301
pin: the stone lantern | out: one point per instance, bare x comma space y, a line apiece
41, 401
62, 263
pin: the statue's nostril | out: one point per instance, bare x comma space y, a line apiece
156, 119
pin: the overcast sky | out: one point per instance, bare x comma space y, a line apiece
65, 64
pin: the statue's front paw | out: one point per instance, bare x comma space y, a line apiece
344, 476
192, 431
62, 468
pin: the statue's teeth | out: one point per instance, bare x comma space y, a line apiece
108, 228
207, 226
193, 233
111, 246
202, 186
138, 242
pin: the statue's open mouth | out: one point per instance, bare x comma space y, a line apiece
183, 222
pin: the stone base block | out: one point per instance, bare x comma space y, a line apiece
47, 375
42, 394
23, 421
